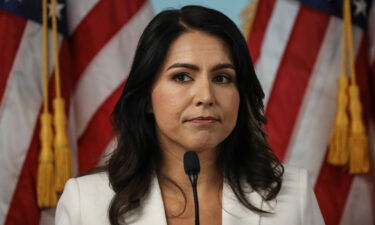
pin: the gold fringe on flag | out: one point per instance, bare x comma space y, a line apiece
45, 184
248, 15
61, 141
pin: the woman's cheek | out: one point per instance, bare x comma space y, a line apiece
167, 107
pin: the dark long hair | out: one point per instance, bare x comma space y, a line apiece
243, 156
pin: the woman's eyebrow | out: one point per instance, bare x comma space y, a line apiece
194, 67
184, 65
223, 66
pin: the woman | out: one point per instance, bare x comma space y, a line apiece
191, 87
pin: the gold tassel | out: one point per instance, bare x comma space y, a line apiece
338, 153
45, 179
358, 142
45, 186
359, 161
61, 142
349, 147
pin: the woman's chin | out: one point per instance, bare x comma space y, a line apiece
199, 145
201, 141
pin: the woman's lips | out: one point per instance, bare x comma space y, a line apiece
203, 120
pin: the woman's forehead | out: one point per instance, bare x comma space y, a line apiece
198, 47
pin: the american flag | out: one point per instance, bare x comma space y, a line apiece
296, 47
97, 39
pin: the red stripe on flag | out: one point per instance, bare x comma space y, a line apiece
372, 93
333, 184
11, 31
363, 73
259, 27
67, 82
98, 134
23, 206
331, 190
293, 76
98, 27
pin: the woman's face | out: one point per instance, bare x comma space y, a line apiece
194, 99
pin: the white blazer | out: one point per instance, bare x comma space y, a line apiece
86, 199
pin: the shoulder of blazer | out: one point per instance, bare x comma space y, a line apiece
95, 196
85, 200
95, 183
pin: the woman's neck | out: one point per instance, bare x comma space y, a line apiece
179, 207
172, 168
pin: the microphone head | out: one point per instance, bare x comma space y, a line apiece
191, 163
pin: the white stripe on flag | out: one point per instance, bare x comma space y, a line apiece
108, 69
77, 11
73, 137
47, 217
311, 133
358, 207
274, 43
19, 111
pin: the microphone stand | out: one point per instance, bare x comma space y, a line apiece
192, 168
193, 179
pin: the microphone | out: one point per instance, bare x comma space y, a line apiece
192, 168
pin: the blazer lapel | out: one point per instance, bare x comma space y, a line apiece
234, 213
152, 211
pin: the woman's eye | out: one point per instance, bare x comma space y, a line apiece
181, 77
224, 79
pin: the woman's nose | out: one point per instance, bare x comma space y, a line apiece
204, 95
